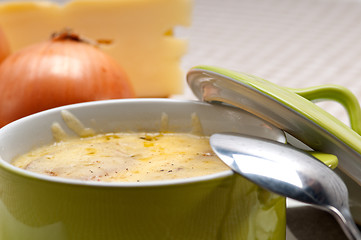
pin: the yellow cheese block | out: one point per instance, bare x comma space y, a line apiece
140, 32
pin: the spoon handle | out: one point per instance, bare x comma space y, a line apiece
343, 216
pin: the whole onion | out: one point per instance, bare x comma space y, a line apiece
61, 71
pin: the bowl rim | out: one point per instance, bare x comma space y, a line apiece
60, 180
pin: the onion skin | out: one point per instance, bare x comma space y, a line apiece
56, 73
4, 46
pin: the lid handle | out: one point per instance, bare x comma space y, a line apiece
336, 93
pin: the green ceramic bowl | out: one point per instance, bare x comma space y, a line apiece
219, 206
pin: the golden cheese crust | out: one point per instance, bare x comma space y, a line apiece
125, 157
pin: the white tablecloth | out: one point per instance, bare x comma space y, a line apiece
294, 43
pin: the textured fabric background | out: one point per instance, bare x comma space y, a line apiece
294, 43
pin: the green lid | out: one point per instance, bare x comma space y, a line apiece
292, 110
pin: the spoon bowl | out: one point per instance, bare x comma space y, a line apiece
287, 171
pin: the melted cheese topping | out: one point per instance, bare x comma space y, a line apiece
125, 157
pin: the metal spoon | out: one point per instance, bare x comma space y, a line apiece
287, 171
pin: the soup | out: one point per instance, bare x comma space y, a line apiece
125, 157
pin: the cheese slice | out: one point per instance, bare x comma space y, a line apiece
140, 33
